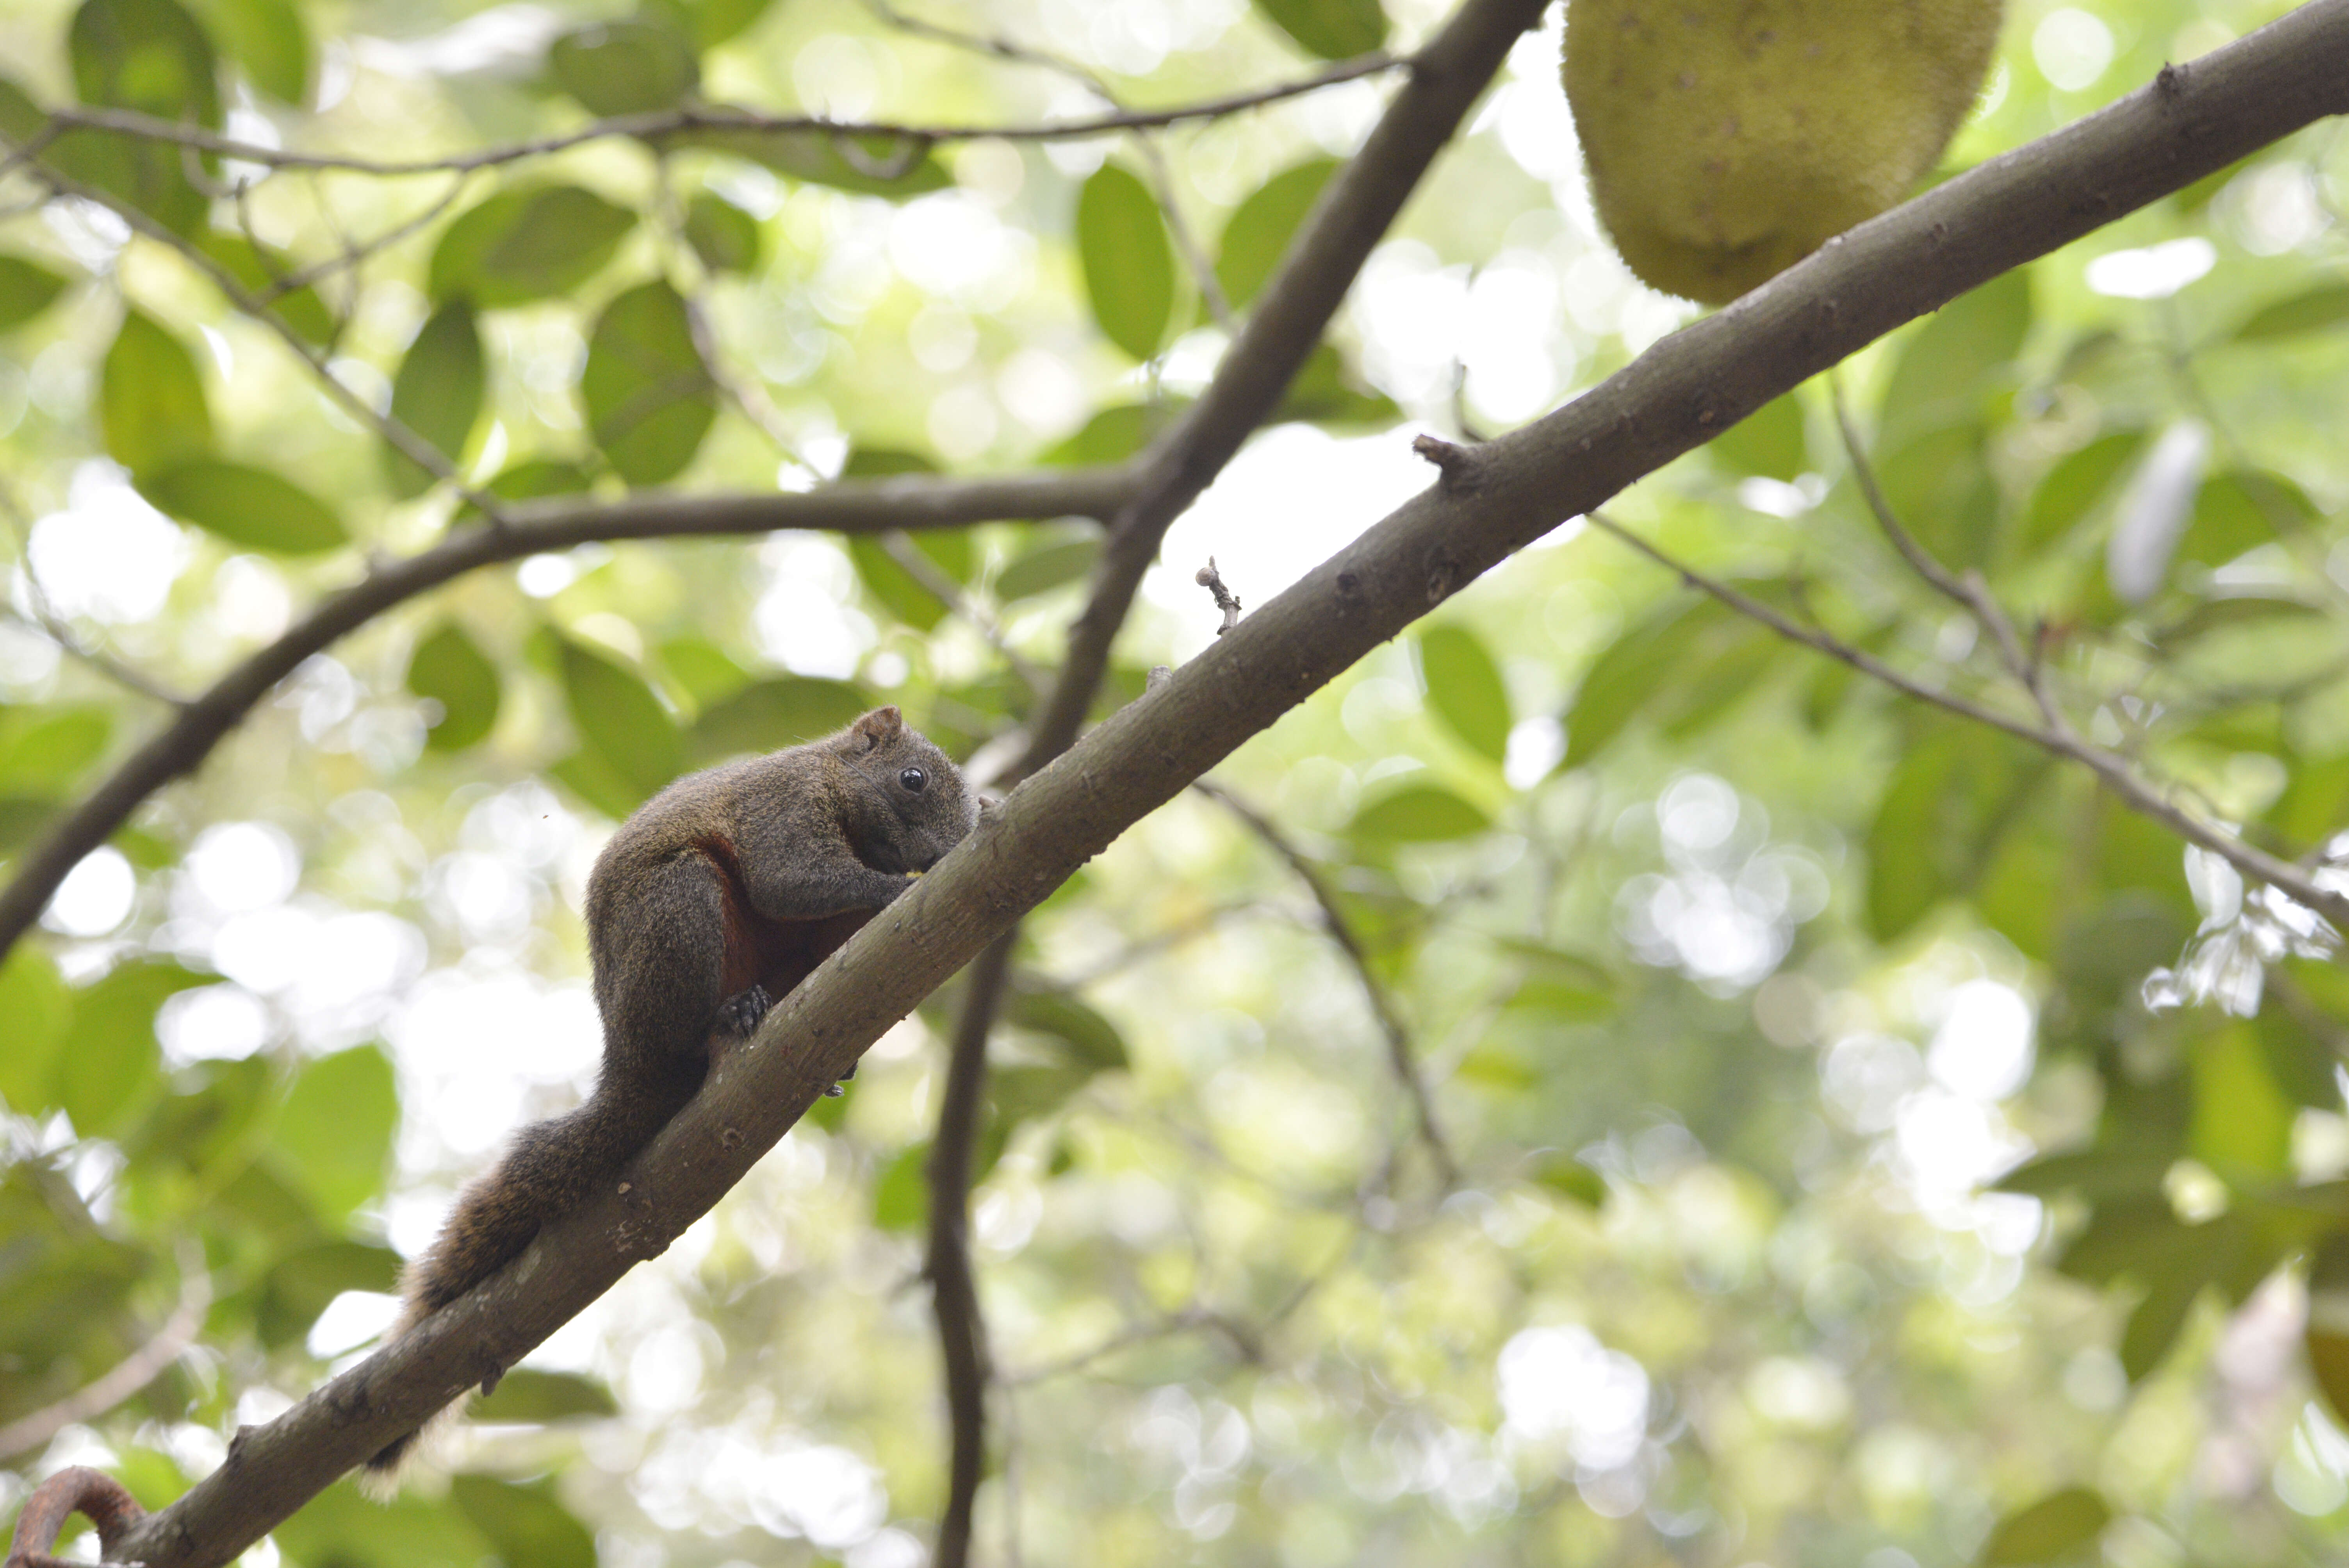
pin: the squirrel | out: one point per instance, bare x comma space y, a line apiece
718, 895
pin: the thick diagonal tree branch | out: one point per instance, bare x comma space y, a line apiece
1356, 210
865, 506
1680, 394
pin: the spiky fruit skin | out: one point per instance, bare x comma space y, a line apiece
1725, 141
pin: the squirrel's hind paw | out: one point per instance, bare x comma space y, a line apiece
739, 1014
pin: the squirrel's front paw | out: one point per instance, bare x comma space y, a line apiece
739, 1014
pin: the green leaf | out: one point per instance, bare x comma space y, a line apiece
246, 506
150, 399
340, 1529
631, 66
26, 287
1466, 688
901, 1194
1953, 794
532, 478
149, 55
268, 39
1092, 1042
884, 463
1129, 263
897, 589
436, 393
725, 237
110, 1070
35, 1000
771, 714
1623, 679
1418, 813
1956, 358
450, 668
2327, 305
527, 244
2096, 1174
1112, 435
304, 1284
587, 775
336, 1129
525, 1523
1333, 29
870, 165
1571, 1178
650, 398
47, 750
709, 22
1939, 486
1325, 392
2242, 1121
621, 721
1769, 442
526, 1394
1258, 232
1047, 567
2053, 1528
2240, 510
703, 669
2075, 486
259, 270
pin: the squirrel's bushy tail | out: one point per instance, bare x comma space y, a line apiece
549, 1170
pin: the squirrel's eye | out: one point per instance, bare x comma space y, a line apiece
914, 779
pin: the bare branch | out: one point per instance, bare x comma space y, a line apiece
954, 1287
1400, 1056
683, 122
1684, 390
865, 506
76, 1488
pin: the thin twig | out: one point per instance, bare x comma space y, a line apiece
130, 1375
1400, 1057
934, 580
2113, 771
1226, 601
1969, 592
667, 124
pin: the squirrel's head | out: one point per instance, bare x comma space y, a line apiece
930, 809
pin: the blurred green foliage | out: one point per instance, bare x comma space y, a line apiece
1877, 1146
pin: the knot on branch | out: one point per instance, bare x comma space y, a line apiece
1460, 466
76, 1488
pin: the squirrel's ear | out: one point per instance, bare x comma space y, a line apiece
879, 727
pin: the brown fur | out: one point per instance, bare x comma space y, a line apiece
745, 876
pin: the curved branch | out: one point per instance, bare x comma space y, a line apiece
863, 506
954, 1285
1678, 395
76, 1488
664, 124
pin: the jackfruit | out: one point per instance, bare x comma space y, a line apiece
1727, 140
